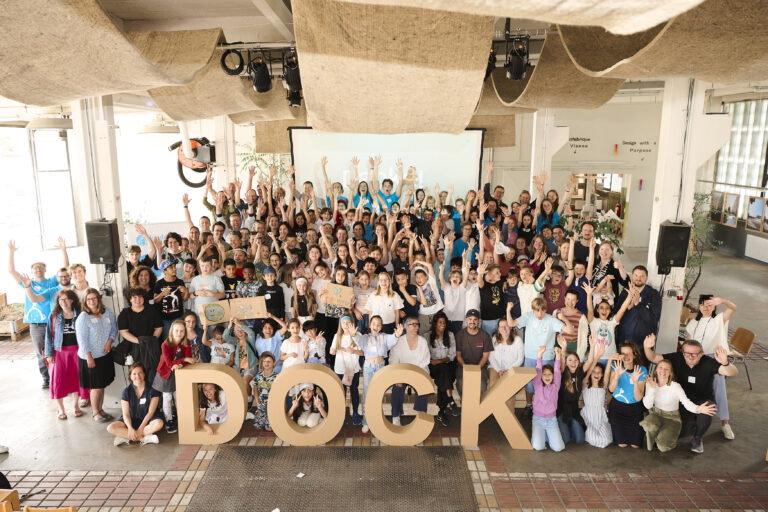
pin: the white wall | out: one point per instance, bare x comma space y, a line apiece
598, 130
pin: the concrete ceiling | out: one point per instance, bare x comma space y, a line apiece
242, 20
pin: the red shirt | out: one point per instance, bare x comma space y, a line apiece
170, 357
554, 295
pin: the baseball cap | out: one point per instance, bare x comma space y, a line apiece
269, 270
167, 263
472, 312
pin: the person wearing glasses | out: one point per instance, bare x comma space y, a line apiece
696, 374
412, 349
711, 330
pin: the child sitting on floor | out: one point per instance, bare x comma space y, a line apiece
307, 409
213, 407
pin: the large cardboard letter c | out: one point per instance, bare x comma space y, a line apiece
289, 431
406, 435
475, 409
188, 405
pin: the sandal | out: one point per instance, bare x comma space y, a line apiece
78, 413
62, 416
105, 414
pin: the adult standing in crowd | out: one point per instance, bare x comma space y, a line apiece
61, 352
136, 321
581, 248
696, 375
96, 330
473, 346
644, 309
36, 313
711, 330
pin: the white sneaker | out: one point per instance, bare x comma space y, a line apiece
365, 429
3, 449
151, 439
249, 416
728, 431
121, 440
396, 420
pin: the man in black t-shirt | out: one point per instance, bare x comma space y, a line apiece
273, 294
170, 294
408, 292
695, 373
581, 250
492, 304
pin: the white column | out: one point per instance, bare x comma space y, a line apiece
547, 140
688, 137
95, 174
686, 142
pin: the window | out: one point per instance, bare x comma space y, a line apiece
741, 162
55, 202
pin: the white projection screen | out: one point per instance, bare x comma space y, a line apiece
439, 158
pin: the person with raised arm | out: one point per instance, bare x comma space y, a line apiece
696, 374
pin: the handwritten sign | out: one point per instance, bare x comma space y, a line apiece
339, 295
214, 312
252, 307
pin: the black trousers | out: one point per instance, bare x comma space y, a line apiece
443, 374
698, 422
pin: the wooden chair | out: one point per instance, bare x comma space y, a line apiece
741, 344
685, 315
63, 509
11, 498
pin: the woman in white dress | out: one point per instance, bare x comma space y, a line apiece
598, 432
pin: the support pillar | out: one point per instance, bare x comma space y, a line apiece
95, 173
547, 140
226, 155
688, 137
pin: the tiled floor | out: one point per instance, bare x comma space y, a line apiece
496, 490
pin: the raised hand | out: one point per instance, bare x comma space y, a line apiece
721, 356
185, 199
548, 263
618, 368
25, 280
354, 162
61, 244
398, 163
12, 246
558, 352
650, 341
252, 171
587, 288
377, 161
399, 330
489, 167
634, 377
324, 161
542, 349
561, 341
651, 381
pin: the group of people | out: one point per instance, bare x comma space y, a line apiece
436, 283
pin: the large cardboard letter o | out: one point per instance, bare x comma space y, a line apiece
188, 404
475, 409
289, 431
405, 435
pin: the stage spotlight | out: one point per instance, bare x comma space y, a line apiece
259, 73
491, 64
292, 78
517, 60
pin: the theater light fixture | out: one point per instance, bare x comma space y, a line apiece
292, 78
517, 59
260, 73
491, 64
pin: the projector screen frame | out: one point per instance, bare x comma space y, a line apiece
479, 163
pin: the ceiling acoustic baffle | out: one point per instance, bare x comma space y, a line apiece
723, 41
379, 69
56, 51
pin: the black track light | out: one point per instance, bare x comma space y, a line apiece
517, 60
260, 75
491, 64
292, 78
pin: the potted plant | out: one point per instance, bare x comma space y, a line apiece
248, 157
701, 240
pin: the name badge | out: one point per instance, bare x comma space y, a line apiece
691, 379
267, 296
142, 401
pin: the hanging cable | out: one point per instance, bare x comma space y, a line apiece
691, 83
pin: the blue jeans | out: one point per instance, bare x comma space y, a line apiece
420, 402
368, 371
362, 324
573, 432
490, 326
531, 363
545, 431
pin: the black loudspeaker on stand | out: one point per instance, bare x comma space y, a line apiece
672, 248
103, 243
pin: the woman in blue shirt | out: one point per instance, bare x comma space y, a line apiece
96, 330
546, 214
627, 384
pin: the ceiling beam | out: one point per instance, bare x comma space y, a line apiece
278, 14
196, 23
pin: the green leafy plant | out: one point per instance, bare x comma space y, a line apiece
701, 240
608, 227
248, 156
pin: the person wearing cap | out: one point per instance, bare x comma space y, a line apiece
170, 294
273, 294
473, 346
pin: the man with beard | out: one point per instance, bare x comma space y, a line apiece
40, 293
581, 250
644, 311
